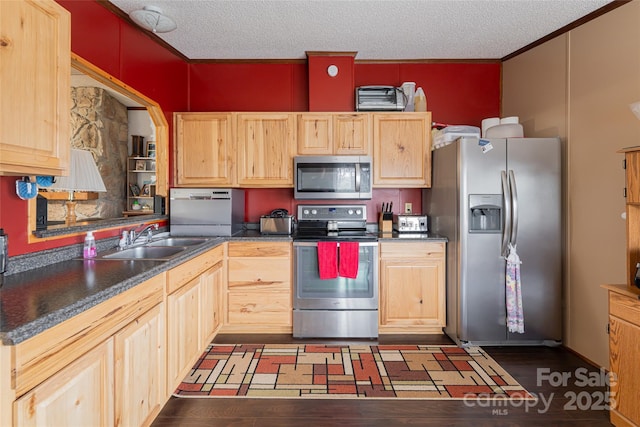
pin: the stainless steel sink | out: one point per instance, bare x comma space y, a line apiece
161, 253
177, 241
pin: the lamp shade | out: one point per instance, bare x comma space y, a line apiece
635, 109
83, 174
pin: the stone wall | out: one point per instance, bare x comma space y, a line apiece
99, 123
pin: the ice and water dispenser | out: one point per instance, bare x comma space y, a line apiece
485, 213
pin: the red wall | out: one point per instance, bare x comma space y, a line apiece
457, 93
245, 86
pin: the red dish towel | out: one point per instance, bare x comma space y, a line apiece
348, 264
328, 260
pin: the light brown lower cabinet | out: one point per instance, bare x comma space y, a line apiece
183, 334
193, 311
624, 347
117, 363
213, 283
140, 369
259, 293
412, 287
102, 367
81, 394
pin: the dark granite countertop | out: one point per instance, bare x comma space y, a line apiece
34, 300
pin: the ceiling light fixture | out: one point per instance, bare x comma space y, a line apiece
151, 18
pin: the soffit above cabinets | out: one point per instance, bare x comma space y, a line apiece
79, 79
375, 29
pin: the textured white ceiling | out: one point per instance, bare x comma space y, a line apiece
375, 29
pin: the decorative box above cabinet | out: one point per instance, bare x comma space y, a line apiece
34, 112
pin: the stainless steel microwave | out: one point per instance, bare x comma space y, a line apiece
332, 177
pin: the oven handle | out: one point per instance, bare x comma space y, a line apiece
315, 244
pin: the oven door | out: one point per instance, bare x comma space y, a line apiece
313, 293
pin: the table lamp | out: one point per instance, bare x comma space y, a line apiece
83, 176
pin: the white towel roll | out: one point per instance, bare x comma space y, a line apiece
510, 120
487, 123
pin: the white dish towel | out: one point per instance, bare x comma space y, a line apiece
515, 312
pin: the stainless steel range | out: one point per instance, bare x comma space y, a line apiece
342, 302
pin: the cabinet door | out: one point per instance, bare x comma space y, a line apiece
183, 332
412, 294
204, 149
212, 284
351, 133
315, 132
412, 287
402, 150
35, 86
632, 161
141, 369
624, 346
79, 395
266, 148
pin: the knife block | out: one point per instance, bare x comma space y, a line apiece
385, 222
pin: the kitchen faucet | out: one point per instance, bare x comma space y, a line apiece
132, 235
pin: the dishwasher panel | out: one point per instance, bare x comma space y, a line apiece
206, 211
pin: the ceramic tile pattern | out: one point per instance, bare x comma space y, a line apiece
348, 371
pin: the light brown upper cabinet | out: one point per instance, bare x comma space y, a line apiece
402, 150
35, 45
266, 147
204, 149
333, 133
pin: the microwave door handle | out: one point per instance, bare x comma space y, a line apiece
357, 177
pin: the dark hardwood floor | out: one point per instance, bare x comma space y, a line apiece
576, 400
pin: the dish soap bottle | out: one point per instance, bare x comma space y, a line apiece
420, 100
89, 251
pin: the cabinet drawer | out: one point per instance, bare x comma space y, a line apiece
257, 273
180, 275
260, 308
260, 249
412, 250
625, 308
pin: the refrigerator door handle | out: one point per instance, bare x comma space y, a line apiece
514, 207
506, 199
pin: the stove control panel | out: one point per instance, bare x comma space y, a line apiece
332, 212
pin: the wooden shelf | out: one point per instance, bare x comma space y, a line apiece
138, 179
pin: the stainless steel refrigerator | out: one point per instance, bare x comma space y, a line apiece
482, 198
